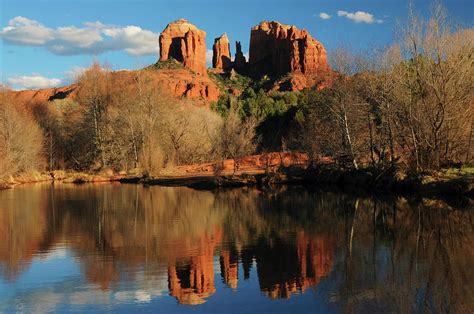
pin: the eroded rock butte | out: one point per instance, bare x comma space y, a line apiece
277, 49
184, 42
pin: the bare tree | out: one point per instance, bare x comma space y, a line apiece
236, 137
21, 140
434, 88
94, 94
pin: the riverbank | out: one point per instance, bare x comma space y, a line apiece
273, 169
59, 176
364, 179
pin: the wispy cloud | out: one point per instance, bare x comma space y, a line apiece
92, 38
324, 16
209, 54
74, 73
33, 82
359, 17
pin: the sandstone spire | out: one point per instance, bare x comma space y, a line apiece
239, 60
221, 53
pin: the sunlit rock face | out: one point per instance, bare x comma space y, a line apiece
184, 42
221, 53
279, 49
230, 268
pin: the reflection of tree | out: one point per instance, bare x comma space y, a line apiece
23, 229
415, 258
385, 255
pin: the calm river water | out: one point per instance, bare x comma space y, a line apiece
123, 248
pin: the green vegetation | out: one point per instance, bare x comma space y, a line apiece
230, 80
170, 64
260, 105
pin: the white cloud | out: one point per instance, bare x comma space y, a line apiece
74, 73
209, 54
33, 82
324, 16
359, 17
92, 38
21, 30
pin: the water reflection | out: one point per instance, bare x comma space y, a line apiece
113, 244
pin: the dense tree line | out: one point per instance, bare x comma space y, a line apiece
118, 121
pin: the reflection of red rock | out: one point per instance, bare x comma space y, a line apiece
284, 270
185, 43
230, 268
193, 281
316, 258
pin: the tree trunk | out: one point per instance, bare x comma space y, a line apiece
349, 140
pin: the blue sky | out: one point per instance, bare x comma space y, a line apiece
46, 42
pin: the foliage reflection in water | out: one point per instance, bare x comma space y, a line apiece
114, 247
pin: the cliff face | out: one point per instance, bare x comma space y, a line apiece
42, 95
221, 53
185, 43
277, 49
178, 82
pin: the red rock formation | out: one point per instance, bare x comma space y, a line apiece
239, 60
221, 53
185, 43
249, 164
298, 81
316, 258
278, 49
200, 277
194, 282
178, 82
230, 268
314, 261
42, 95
